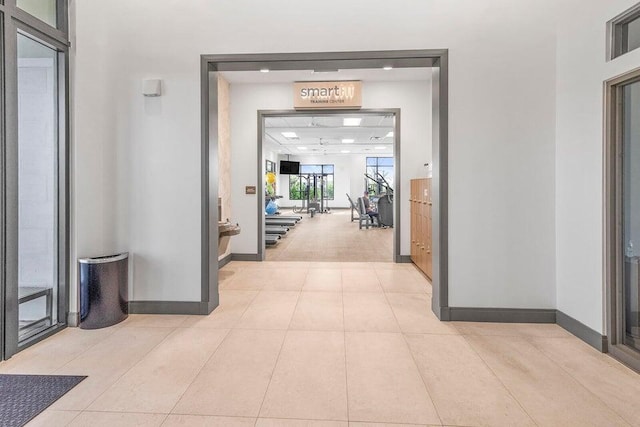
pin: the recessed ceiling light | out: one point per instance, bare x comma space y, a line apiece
351, 121
264, 70
387, 67
302, 148
381, 148
345, 151
348, 141
289, 134
389, 135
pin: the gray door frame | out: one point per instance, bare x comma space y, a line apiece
17, 21
436, 59
613, 255
397, 192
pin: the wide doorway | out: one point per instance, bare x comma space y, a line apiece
238, 89
330, 181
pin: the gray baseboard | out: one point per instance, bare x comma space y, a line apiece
582, 331
73, 319
523, 315
502, 315
403, 259
168, 307
224, 261
245, 257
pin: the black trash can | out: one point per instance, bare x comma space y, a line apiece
104, 290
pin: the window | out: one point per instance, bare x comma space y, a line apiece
381, 169
316, 181
44, 10
624, 32
270, 166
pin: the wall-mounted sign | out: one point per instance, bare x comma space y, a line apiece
250, 189
318, 95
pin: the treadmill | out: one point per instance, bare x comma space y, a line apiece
276, 229
288, 217
271, 239
282, 222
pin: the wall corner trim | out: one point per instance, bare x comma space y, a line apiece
582, 331
225, 260
73, 319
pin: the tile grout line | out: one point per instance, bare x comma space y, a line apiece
579, 382
344, 337
413, 358
266, 390
86, 350
200, 370
513, 396
129, 370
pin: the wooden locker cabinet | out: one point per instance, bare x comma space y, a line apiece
421, 225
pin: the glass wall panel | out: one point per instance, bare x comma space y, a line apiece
37, 186
631, 213
45, 10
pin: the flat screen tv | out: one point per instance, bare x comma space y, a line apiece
289, 168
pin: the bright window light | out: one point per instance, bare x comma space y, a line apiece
345, 151
389, 135
351, 121
264, 70
381, 148
289, 134
387, 68
348, 141
302, 148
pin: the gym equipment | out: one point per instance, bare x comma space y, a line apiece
385, 210
276, 230
296, 218
320, 204
385, 201
271, 239
271, 208
364, 216
286, 222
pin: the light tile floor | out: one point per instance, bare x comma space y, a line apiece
329, 344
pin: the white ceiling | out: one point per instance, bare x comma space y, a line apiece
371, 75
323, 134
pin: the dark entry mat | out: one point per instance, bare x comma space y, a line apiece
22, 397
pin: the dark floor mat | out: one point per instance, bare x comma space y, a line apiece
22, 397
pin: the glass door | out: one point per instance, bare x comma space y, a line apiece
37, 187
630, 193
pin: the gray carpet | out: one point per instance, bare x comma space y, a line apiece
22, 397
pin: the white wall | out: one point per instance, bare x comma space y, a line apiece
581, 70
414, 100
146, 155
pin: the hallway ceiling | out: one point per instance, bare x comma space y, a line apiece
327, 134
